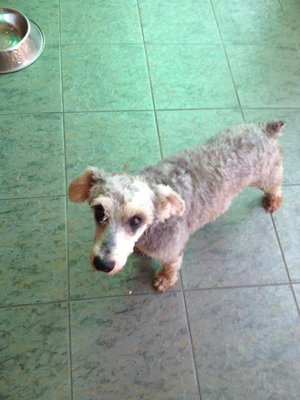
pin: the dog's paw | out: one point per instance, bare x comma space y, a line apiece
162, 282
271, 202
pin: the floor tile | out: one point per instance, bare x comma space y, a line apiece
115, 78
253, 22
180, 129
266, 76
246, 343
34, 353
43, 12
31, 155
190, 76
137, 348
292, 9
34, 89
117, 142
33, 250
289, 140
91, 102
109, 21
287, 221
85, 282
179, 21
240, 248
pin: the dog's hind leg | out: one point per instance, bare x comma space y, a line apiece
168, 275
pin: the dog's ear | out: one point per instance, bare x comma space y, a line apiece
168, 202
80, 187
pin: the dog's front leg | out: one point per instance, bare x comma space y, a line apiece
168, 275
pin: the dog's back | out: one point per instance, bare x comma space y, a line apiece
210, 176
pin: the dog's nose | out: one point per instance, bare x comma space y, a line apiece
101, 265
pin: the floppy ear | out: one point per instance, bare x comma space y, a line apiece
80, 187
168, 202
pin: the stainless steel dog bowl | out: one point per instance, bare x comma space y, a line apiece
21, 41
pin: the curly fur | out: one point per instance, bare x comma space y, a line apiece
191, 189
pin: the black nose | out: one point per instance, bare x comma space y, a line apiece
102, 265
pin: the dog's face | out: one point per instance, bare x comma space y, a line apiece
124, 207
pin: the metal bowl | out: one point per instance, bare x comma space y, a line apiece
21, 41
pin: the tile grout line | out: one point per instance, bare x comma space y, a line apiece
36, 304
66, 209
39, 196
201, 44
227, 60
187, 290
192, 346
232, 287
150, 80
285, 264
287, 108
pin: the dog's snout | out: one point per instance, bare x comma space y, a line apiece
102, 265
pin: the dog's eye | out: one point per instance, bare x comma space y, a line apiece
100, 214
135, 222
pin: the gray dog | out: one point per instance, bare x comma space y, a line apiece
156, 211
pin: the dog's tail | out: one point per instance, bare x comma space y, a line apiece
274, 129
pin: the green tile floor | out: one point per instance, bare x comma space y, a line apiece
121, 84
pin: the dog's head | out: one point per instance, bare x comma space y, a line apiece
124, 207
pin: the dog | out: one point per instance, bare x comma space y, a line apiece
157, 210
